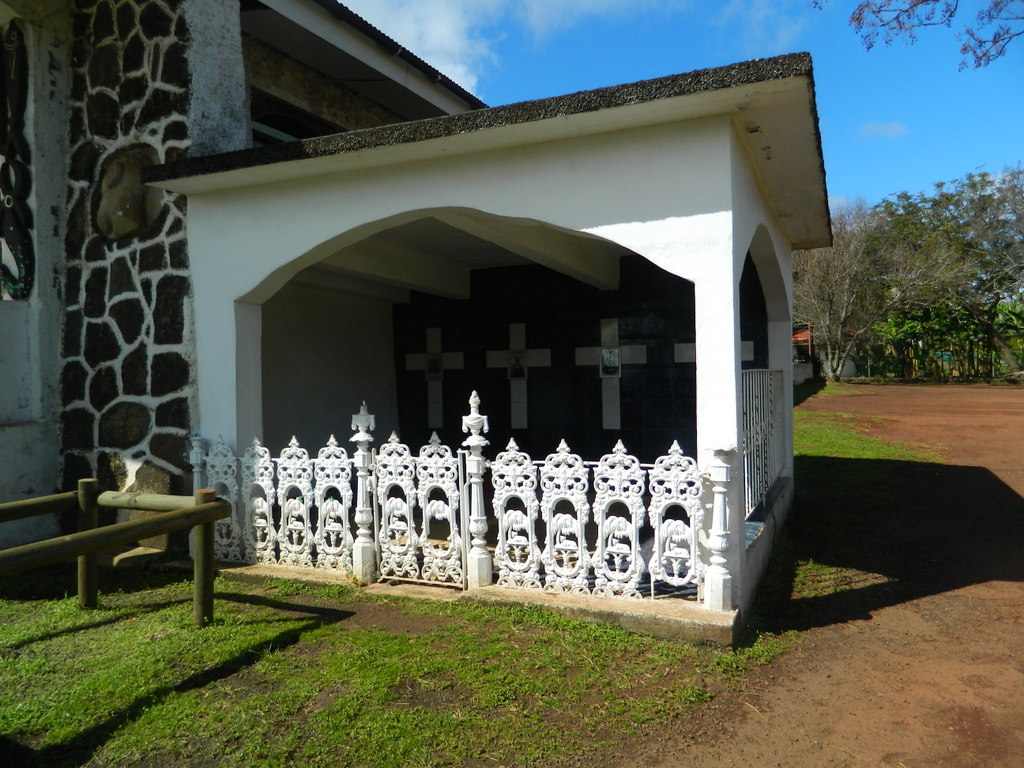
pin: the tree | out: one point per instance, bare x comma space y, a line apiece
976, 225
995, 26
841, 292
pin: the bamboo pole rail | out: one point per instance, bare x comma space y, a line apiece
151, 502
203, 512
42, 505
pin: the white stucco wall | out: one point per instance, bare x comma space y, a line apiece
755, 230
659, 190
324, 352
31, 329
682, 195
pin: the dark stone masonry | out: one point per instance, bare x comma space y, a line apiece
126, 384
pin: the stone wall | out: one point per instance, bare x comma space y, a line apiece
126, 381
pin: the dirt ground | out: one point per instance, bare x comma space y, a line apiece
923, 668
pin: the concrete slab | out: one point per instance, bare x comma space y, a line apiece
668, 618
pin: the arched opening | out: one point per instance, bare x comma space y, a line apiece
765, 315
562, 334
753, 318
766, 381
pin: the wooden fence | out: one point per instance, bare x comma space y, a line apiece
177, 513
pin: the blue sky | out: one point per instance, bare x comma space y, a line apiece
894, 118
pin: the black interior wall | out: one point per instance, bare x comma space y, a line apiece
658, 399
753, 315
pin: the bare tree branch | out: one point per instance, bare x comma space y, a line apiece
983, 41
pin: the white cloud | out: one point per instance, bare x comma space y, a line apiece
893, 130
447, 34
457, 36
543, 17
765, 27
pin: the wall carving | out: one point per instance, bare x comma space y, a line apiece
17, 269
126, 206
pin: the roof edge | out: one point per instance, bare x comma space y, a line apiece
697, 81
357, 22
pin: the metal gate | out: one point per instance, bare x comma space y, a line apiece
420, 514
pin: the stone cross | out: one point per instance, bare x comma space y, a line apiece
684, 353
609, 359
434, 363
517, 359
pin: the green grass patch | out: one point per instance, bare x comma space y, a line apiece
846, 483
314, 682
842, 435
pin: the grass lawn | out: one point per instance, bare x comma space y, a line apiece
288, 676
845, 481
295, 676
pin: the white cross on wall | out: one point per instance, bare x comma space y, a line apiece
434, 362
609, 359
517, 359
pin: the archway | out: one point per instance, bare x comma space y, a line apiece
419, 313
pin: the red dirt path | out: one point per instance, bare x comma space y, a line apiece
925, 670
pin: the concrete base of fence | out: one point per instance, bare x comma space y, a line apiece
672, 619
760, 536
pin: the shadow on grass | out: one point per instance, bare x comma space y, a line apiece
910, 529
807, 390
60, 580
80, 750
102, 621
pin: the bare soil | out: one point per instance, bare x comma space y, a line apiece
921, 663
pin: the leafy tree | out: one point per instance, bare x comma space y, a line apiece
841, 292
995, 26
976, 226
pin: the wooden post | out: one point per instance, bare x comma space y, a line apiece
202, 608
88, 584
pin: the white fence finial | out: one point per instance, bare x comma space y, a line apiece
363, 422
474, 423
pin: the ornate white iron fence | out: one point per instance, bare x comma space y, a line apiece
543, 542
762, 434
613, 528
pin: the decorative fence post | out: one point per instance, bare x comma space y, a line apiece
197, 458
364, 563
479, 568
718, 581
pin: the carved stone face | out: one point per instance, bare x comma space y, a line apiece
126, 206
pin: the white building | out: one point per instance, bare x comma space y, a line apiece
606, 265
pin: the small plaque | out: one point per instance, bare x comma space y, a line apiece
611, 364
517, 367
434, 366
